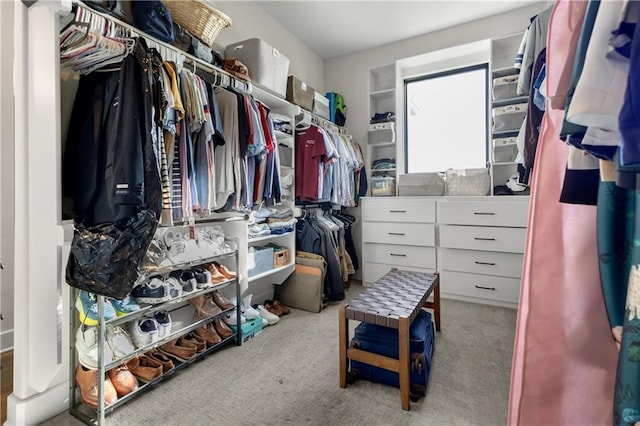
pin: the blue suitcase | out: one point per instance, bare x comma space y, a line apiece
384, 341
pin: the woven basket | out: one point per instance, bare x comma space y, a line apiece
202, 21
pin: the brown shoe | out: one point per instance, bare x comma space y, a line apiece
222, 329
204, 306
87, 381
216, 276
195, 340
123, 380
221, 301
224, 271
208, 333
177, 350
145, 368
271, 307
285, 309
162, 358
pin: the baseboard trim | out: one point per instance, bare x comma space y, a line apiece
6, 340
481, 301
38, 408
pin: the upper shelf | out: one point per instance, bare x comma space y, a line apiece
383, 94
273, 101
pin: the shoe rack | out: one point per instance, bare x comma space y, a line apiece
183, 322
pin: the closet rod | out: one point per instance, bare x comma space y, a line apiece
192, 60
312, 118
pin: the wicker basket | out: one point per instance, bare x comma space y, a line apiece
202, 21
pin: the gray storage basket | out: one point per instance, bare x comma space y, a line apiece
468, 182
420, 184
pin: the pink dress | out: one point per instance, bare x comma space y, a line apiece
564, 357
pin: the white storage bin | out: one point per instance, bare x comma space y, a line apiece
383, 186
508, 117
468, 182
505, 87
267, 66
504, 150
381, 133
420, 184
320, 105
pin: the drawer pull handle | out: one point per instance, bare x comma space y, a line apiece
397, 211
396, 233
485, 288
483, 239
399, 255
485, 263
484, 213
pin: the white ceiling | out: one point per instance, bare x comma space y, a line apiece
338, 27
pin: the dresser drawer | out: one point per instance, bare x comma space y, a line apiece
398, 209
489, 213
414, 234
481, 262
392, 254
510, 240
372, 272
480, 286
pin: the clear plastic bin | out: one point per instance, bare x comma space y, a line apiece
383, 186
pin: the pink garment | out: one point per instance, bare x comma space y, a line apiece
571, 14
564, 360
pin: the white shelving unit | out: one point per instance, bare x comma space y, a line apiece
382, 98
503, 53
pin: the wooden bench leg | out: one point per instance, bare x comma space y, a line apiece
403, 355
343, 332
436, 305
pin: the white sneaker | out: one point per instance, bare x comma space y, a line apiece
247, 310
264, 313
264, 322
231, 318
87, 347
163, 322
144, 331
119, 342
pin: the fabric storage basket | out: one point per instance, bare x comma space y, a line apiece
509, 117
201, 20
504, 150
420, 184
259, 260
383, 186
321, 105
381, 133
267, 66
300, 93
468, 182
505, 87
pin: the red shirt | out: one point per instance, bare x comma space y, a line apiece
310, 152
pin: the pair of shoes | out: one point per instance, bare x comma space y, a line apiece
162, 358
194, 340
125, 306
208, 333
123, 380
145, 368
231, 318
179, 349
202, 276
146, 331
153, 291
87, 306
222, 329
245, 307
222, 301
87, 381
276, 308
117, 344
205, 306
268, 317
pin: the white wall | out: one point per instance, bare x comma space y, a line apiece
251, 21
349, 74
6, 174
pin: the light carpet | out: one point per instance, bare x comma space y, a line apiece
289, 375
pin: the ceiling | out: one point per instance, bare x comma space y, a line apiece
339, 27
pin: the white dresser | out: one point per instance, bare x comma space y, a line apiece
476, 243
397, 232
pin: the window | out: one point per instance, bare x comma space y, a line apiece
446, 120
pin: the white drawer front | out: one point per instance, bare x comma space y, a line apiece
391, 254
372, 272
510, 240
481, 262
489, 213
398, 209
415, 234
480, 286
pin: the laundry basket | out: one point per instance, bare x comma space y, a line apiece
200, 20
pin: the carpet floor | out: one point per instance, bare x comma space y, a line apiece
289, 375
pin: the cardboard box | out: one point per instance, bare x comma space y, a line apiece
300, 93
